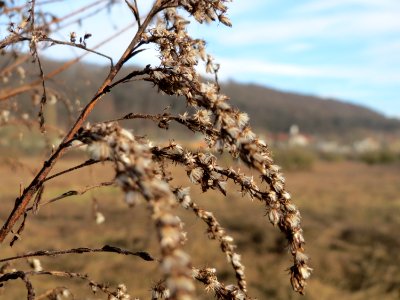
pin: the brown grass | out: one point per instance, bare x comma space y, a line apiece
351, 215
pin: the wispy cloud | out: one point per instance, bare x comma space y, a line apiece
252, 67
337, 26
327, 6
241, 8
298, 47
388, 51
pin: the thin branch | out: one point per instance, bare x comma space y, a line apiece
44, 93
37, 205
23, 275
134, 9
14, 38
6, 94
109, 249
21, 228
73, 193
165, 118
89, 162
38, 198
80, 46
131, 75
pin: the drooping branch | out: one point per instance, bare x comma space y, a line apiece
217, 232
105, 249
89, 162
73, 193
31, 293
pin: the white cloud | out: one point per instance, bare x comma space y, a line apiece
254, 67
261, 32
334, 27
298, 47
241, 8
249, 66
389, 50
333, 19
324, 6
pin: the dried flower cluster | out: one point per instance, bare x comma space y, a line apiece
209, 278
233, 133
137, 172
215, 231
141, 166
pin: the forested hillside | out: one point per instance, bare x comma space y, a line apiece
270, 110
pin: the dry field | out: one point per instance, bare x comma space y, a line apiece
351, 218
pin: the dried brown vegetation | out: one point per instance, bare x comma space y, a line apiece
143, 167
354, 252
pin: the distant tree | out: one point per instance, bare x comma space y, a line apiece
141, 166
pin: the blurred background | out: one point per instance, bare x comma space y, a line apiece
320, 81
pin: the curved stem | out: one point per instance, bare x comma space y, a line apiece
110, 249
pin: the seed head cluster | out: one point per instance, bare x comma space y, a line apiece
225, 128
141, 166
137, 172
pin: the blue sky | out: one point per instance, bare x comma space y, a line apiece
343, 49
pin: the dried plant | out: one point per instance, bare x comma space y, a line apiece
141, 165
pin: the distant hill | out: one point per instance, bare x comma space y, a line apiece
276, 111
270, 110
